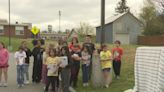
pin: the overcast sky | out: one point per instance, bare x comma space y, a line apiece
44, 12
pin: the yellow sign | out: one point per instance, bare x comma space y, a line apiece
35, 30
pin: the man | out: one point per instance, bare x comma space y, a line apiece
88, 43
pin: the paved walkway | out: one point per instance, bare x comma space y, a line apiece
12, 86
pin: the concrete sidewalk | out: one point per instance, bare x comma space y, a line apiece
12, 86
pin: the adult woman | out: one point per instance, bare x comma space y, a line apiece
4, 57
74, 41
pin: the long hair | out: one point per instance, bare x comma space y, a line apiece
77, 41
67, 53
54, 51
3, 44
86, 48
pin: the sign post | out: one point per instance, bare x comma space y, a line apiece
35, 30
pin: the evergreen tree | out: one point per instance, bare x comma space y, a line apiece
122, 7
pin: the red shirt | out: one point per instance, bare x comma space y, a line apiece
117, 53
71, 47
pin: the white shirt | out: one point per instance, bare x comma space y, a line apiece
20, 57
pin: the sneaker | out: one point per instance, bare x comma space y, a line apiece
22, 85
72, 89
27, 82
5, 85
84, 85
87, 84
44, 87
1, 85
106, 86
19, 86
118, 77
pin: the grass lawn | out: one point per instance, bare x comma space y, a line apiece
15, 42
127, 73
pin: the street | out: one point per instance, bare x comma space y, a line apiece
12, 85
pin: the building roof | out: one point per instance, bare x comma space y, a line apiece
52, 34
14, 24
113, 18
116, 17
5, 22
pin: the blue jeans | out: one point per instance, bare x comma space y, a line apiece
20, 74
26, 68
85, 71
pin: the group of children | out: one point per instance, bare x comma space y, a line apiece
48, 66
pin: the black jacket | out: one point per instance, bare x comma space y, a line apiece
28, 55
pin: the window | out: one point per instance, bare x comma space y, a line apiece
1, 30
19, 31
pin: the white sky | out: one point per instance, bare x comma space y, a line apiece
44, 12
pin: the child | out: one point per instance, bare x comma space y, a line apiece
38, 62
117, 54
88, 42
27, 60
85, 65
4, 57
76, 57
20, 61
66, 70
52, 63
44, 67
106, 63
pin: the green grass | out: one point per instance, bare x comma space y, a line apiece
127, 72
15, 42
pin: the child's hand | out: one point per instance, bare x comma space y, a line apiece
59, 63
84, 58
62, 66
77, 58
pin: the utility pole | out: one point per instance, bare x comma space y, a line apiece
59, 20
102, 22
9, 25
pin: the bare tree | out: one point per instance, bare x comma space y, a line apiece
160, 5
85, 28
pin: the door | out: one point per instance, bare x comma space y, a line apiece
123, 38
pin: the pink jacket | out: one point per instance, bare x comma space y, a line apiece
4, 57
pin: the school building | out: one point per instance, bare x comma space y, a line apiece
18, 30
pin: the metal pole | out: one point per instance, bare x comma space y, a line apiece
102, 22
59, 20
9, 26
